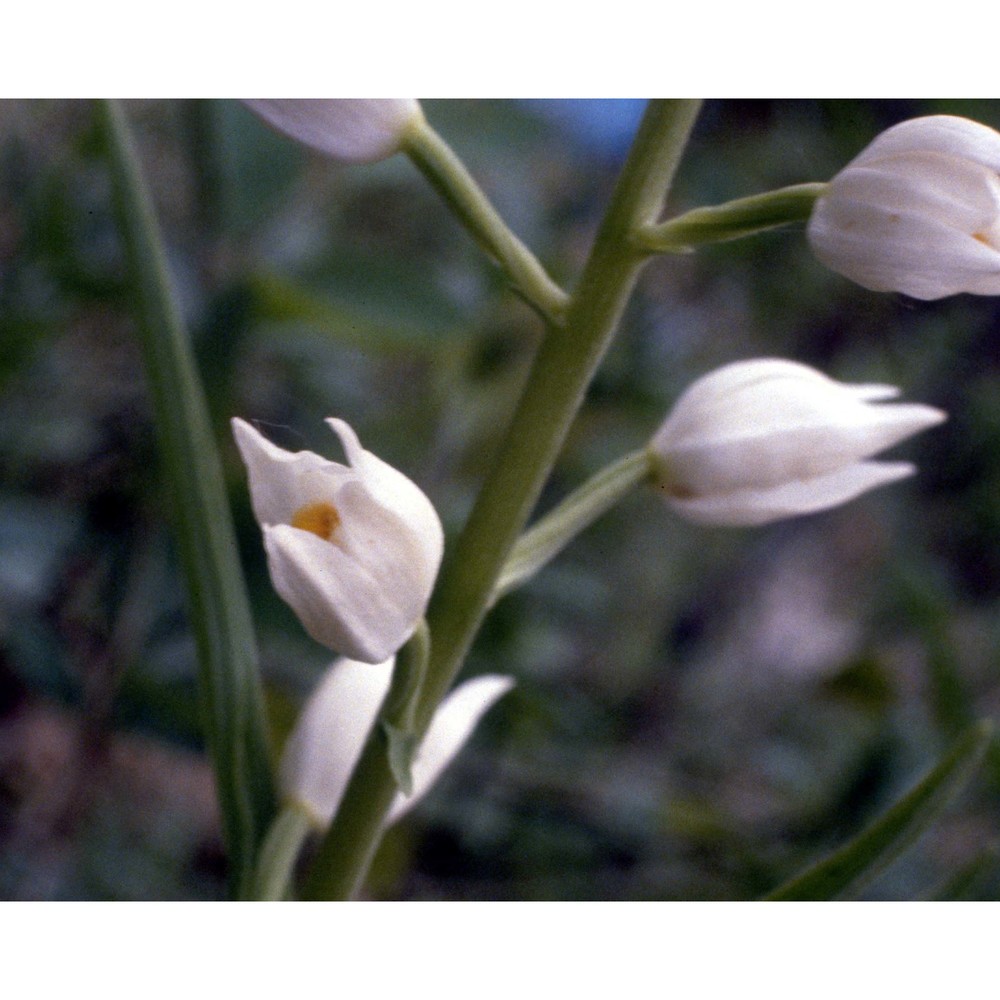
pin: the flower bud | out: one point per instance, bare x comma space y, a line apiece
918, 211
353, 549
329, 735
758, 441
348, 130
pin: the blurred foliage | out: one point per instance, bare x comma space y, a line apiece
699, 713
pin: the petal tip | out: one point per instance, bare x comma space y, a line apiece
348, 439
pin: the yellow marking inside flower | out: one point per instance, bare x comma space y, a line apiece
320, 518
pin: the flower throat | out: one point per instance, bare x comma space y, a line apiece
320, 518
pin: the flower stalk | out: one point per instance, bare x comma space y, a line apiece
436, 160
733, 219
564, 366
544, 540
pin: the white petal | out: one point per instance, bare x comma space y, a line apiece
326, 742
395, 492
756, 441
873, 392
452, 725
725, 380
889, 251
340, 601
349, 130
283, 481
947, 134
917, 211
957, 193
745, 508
396, 551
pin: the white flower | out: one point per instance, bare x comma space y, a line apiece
353, 549
918, 211
757, 441
329, 735
348, 130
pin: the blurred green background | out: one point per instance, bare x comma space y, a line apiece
699, 713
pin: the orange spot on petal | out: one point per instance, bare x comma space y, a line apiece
320, 518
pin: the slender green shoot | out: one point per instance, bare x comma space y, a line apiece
848, 870
230, 689
732, 220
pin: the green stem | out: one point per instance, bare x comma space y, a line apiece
346, 851
730, 221
448, 176
280, 852
563, 368
230, 691
541, 543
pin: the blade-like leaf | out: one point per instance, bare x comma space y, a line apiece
845, 872
230, 691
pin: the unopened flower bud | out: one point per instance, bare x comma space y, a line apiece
758, 441
348, 130
353, 549
329, 735
918, 211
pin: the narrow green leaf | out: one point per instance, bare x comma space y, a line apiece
232, 704
845, 872
447, 174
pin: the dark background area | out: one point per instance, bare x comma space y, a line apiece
699, 713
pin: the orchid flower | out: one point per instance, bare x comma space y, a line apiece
917, 211
353, 549
758, 441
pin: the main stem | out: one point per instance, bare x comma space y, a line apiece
565, 364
